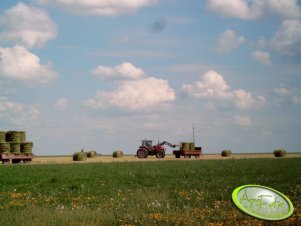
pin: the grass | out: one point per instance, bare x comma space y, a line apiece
142, 193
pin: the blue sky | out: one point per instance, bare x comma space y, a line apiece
103, 75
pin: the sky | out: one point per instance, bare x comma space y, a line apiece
104, 74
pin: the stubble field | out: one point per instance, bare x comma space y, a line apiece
132, 158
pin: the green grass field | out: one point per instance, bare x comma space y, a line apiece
142, 193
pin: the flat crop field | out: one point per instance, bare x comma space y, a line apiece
151, 192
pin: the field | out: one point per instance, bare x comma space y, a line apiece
151, 192
132, 158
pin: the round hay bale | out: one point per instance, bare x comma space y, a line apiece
13, 136
184, 146
226, 153
26, 147
4, 147
22, 135
2, 136
279, 152
15, 147
117, 154
91, 154
191, 146
79, 156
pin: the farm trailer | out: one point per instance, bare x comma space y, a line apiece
196, 152
15, 158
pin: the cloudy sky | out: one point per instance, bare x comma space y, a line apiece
104, 74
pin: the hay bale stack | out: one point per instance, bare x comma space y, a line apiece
279, 152
15, 147
13, 136
117, 154
22, 135
226, 153
91, 154
184, 146
15, 142
4, 147
26, 147
2, 136
191, 146
79, 156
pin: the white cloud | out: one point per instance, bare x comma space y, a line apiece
122, 71
135, 95
253, 9
242, 120
283, 8
244, 100
287, 39
233, 8
62, 104
28, 26
212, 86
287, 94
17, 63
7, 105
99, 7
261, 57
228, 41
16, 113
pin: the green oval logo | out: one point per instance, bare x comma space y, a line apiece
262, 202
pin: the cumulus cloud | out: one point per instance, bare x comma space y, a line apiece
244, 100
17, 113
28, 26
135, 95
99, 7
242, 120
287, 39
286, 94
17, 63
212, 86
228, 41
122, 71
261, 57
254, 9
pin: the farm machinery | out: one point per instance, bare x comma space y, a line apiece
186, 149
147, 148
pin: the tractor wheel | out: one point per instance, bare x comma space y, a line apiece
178, 156
142, 153
160, 154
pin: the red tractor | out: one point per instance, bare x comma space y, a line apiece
147, 149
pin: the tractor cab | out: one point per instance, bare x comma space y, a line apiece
147, 143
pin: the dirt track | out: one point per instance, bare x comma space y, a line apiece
108, 159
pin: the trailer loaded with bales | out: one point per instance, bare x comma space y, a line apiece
14, 148
187, 150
